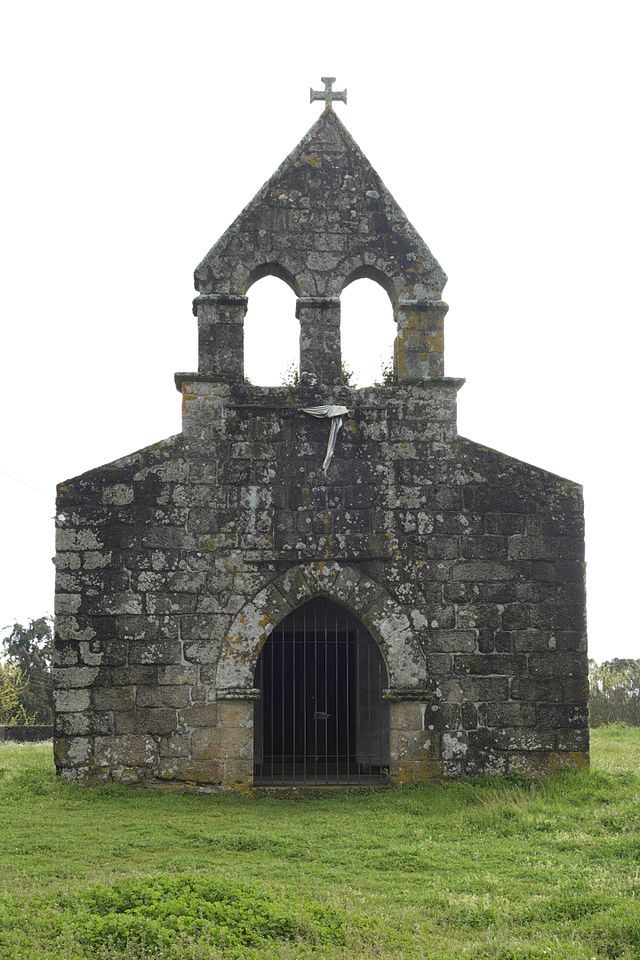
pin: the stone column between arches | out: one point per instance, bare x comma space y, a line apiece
419, 346
320, 352
221, 334
414, 738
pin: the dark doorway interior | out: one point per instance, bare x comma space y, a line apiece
321, 717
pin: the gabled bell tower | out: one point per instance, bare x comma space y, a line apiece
323, 220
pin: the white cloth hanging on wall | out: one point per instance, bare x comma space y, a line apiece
334, 413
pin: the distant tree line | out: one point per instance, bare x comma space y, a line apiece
614, 692
26, 675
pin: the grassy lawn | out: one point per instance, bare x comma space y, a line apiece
490, 870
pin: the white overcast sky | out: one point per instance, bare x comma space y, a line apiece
134, 132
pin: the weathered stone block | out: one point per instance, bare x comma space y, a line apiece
199, 715
478, 689
478, 571
557, 665
68, 677
532, 548
150, 720
562, 716
500, 664
180, 674
203, 651
72, 751
413, 745
121, 751
163, 696
451, 641
523, 738
191, 771
156, 652
175, 745
407, 716
509, 714
527, 688
71, 701
83, 724
235, 713
113, 698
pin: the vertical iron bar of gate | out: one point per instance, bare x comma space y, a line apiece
257, 712
370, 731
335, 639
346, 647
293, 658
315, 693
378, 693
271, 651
282, 701
326, 700
304, 696
358, 753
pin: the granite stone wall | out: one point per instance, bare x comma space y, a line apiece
174, 565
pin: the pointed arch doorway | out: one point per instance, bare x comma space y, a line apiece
321, 717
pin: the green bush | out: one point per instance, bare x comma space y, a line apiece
614, 692
13, 687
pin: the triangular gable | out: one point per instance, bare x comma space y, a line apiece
324, 218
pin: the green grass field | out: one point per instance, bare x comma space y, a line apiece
490, 870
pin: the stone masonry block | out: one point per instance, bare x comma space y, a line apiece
113, 698
498, 664
156, 652
406, 715
477, 571
235, 713
163, 696
139, 750
509, 714
70, 701
178, 674
151, 720
69, 677
451, 641
199, 715
191, 771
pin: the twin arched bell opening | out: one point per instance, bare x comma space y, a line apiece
271, 334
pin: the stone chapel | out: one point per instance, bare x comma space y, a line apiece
232, 614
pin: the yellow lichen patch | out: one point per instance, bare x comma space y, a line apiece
417, 771
435, 341
187, 395
574, 760
313, 160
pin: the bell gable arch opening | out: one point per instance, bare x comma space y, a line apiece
367, 330
271, 314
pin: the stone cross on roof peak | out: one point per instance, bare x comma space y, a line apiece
328, 94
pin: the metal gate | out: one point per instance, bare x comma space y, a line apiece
321, 717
